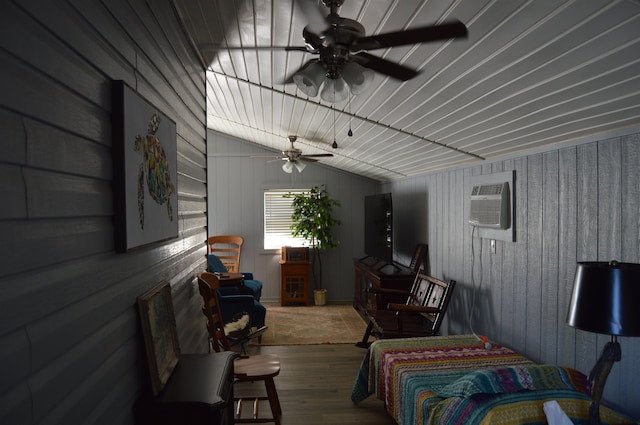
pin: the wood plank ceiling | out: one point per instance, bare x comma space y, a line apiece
530, 73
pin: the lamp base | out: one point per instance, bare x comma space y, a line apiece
611, 353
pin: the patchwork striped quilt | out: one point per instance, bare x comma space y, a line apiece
456, 380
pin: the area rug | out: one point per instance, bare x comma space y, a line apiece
306, 325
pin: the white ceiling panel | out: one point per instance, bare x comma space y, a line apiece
530, 73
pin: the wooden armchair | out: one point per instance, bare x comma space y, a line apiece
263, 367
420, 315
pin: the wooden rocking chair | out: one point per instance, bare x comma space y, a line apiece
420, 315
263, 367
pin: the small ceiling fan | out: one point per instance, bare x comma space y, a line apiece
294, 157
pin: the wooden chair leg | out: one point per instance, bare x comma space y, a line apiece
274, 404
365, 338
274, 401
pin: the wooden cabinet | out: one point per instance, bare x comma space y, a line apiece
295, 276
370, 273
199, 392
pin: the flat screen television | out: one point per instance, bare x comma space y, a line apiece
378, 227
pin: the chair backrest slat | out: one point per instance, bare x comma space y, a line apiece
428, 291
228, 249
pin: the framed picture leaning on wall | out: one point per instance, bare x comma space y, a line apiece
158, 323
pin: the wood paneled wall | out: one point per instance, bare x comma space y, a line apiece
579, 202
236, 186
69, 338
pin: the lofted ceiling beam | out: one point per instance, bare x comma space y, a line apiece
352, 115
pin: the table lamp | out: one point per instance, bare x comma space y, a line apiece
605, 300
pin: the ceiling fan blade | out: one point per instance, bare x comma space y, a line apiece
307, 159
312, 41
314, 14
383, 66
296, 49
214, 48
447, 30
289, 79
318, 155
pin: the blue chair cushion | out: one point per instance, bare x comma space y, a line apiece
215, 265
250, 287
255, 287
226, 291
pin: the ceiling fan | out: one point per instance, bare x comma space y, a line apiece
340, 42
294, 157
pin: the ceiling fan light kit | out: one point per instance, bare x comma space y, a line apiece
310, 78
287, 167
357, 77
354, 77
334, 90
294, 157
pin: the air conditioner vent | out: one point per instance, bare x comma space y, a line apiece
488, 189
490, 206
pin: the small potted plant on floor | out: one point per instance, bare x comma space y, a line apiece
313, 220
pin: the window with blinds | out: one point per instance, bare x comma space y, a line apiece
277, 219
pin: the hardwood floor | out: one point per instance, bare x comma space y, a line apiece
315, 385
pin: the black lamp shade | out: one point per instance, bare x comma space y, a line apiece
606, 298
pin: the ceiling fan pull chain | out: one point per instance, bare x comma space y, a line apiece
349, 133
335, 144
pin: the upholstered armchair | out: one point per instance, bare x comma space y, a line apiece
250, 286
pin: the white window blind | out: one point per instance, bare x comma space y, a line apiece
277, 219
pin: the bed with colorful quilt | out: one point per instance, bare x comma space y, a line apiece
456, 380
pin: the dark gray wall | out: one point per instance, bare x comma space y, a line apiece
579, 202
236, 187
69, 339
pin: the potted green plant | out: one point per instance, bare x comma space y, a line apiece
313, 220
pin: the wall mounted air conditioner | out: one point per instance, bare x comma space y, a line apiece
490, 206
